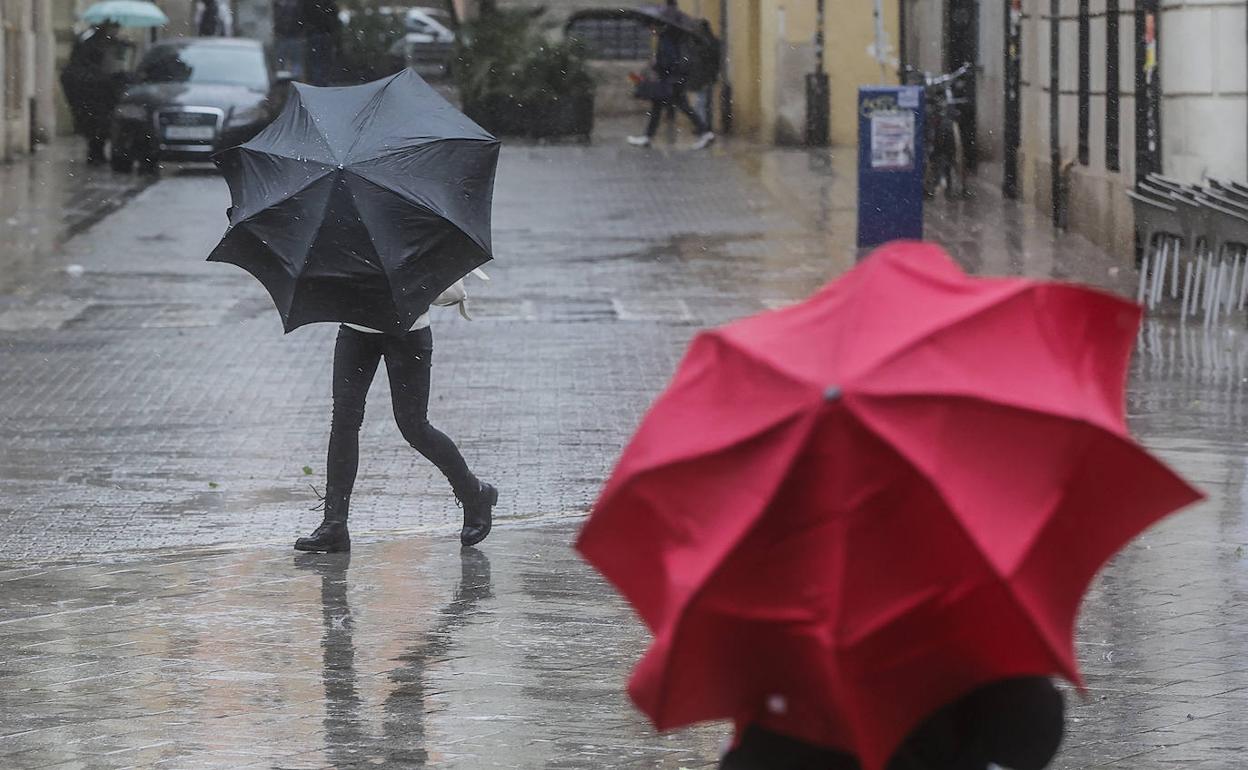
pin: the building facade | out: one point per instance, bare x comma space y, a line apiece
771, 46
27, 75
1077, 99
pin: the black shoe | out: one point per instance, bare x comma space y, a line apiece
478, 515
330, 537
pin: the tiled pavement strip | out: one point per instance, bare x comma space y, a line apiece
152, 403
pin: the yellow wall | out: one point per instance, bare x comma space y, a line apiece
759, 49
849, 29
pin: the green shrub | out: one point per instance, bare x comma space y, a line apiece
514, 81
371, 46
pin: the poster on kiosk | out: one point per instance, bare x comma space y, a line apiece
890, 164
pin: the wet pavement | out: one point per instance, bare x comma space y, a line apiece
161, 440
48, 198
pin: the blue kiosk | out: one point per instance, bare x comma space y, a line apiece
890, 164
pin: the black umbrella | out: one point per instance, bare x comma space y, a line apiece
360, 204
664, 16
667, 16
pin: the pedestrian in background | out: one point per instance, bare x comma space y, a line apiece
288, 37
671, 73
704, 71
207, 18
321, 28
93, 80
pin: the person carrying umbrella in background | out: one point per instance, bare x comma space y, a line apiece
671, 73
363, 206
93, 80
861, 527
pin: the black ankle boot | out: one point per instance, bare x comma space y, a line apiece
478, 514
330, 537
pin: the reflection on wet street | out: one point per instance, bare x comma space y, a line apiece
401, 654
153, 409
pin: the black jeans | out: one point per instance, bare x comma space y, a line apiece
679, 100
408, 359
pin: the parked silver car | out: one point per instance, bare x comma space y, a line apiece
429, 42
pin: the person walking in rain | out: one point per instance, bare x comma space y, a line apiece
671, 71
93, 80
392, 211
357, 353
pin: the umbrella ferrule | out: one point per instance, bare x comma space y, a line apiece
832, 393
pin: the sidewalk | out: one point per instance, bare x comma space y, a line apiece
49, 197
154, 411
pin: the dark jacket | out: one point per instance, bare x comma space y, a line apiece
1017, 723
91, 89
288, 18
320, 17
669, 59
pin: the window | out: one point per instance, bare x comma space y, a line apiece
612, 38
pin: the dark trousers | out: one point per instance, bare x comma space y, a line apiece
1017, 723
679, 100
320, 55
408, 359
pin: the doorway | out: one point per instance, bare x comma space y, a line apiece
962, 47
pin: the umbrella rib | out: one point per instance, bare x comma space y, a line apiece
423, 207
998, 402
282, 199
315, 123
391, 152
958, 321
810, 416
737, 440
294, 292
371, 106
992, 568
373, 242
283, 156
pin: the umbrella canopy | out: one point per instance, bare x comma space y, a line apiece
846, 514
666, 16
662, 16
127, 13
361, 204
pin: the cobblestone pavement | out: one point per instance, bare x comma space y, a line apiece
152, 403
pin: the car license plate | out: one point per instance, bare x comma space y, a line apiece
200, 133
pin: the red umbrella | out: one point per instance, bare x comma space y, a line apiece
845, 514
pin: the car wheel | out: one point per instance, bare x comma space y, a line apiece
121, 161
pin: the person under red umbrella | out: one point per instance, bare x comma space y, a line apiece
846, 521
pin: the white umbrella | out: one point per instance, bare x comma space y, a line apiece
127, 13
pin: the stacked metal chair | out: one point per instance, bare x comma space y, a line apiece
1195, 240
